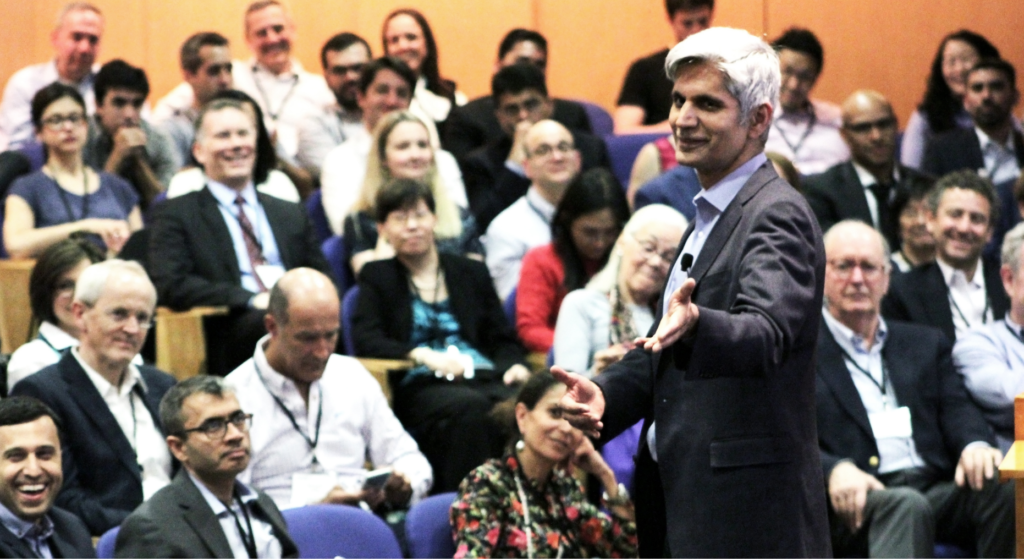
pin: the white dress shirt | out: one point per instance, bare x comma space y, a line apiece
320, 133
1000, 159
41, 352
867, 180
518, 228
266, 543
138, 426
16, 128
356, 424
968, 300
809, 138
990, 358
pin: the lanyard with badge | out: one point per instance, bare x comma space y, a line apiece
960, 313
268, 274
893, 421
274, 115
807, 132
248, 538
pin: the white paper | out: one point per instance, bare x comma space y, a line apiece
311, 488
892, 424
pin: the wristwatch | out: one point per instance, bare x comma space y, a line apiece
621, 499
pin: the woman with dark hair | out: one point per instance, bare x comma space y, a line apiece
440, 311
917, 245
942, 108
265, 175
50, 290
583, 230
408, 37
528, 504
66, 195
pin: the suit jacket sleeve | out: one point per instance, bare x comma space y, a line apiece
140, 536
894, 307
380, 313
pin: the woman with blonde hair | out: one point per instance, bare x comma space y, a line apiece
401, 149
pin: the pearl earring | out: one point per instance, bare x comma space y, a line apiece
520, 445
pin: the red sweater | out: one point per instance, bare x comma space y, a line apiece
539, 296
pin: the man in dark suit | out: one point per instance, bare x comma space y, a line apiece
113, 452
200, 514
473, 125
30, 477
865, 187
226, 244
961, 288
728, 463
993, 146
907, 456
493, 174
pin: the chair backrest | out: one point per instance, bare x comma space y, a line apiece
337, 258
348, 308
105, 546
510, 307
428, 531
601, 123
339, 530
317, 215
622, 151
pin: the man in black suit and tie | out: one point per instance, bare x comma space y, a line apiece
865, 187
30, 477
907, 456
961, 288
113, 451
206, 512
993, 147
728, 462
226, 244
493, 173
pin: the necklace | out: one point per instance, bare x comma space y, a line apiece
52, 173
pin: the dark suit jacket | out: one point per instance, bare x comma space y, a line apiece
734, 403
382, 322
921, 296
920, 366
959, 149
473, 125
70, 538
838, 194
491, 187
192, 259
178, 522
102, 481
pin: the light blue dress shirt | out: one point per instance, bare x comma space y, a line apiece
33, 534
226, 196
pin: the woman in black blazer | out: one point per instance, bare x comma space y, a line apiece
441, 312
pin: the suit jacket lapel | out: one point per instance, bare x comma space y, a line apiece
1018, 147
278, 226
974, 147
852, 191
833, 371
219, 238
200, 517
903, 384
994, 289
934, 297
18, 548
92, 406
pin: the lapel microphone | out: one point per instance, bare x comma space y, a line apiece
686, 262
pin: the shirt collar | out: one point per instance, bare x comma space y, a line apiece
721, 194
242, 491
852, 342
21, 527
868, 180
278, 384
296, 69
226, 195
1013, 326
57, 338
547, 209
950, 274
985, 141
103, 386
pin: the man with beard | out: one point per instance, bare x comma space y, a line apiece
993, 147
206, 512
961, 289
343, 57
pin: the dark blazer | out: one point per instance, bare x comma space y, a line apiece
838, 194
491, 187
382, 322
192, 259
734, 403
921, 296
920, 365
178, 522
70, 538
102, 481
474, 124
959, 149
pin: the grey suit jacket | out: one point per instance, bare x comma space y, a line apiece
177, 522
70, 538
737, 441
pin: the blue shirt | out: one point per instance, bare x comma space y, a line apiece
34, 534
226, 196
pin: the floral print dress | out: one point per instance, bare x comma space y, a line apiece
488, 517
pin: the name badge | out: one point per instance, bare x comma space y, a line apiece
308, 488
269, 274
891, 424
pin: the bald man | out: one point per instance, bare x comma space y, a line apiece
551, 162
321, 415
865, 187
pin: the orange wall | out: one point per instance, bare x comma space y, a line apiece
882, 44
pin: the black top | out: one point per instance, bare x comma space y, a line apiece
647, 86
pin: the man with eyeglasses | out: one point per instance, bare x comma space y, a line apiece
321, 416
206, 511
867, 186
113, 449
343, 57
495, 173
908, 458
120, 142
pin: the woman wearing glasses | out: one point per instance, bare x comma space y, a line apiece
66, 196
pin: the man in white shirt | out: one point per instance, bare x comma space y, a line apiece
322, 416
343, 58
961, 289
114, 451
551, 162
76, 40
